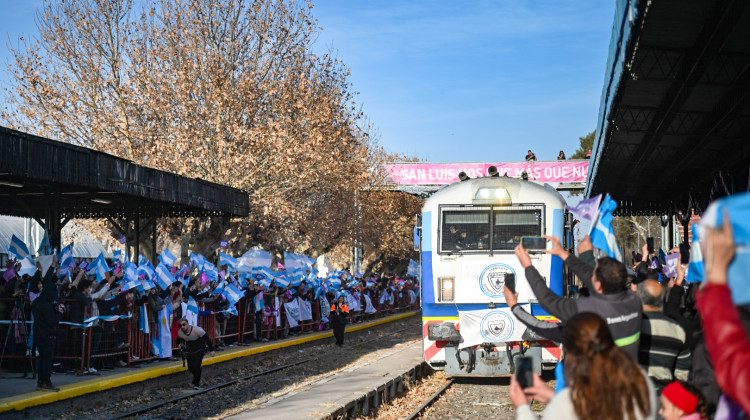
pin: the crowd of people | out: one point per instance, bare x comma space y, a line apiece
88, 319
640, 343
531, 157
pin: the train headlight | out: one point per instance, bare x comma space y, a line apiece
490, 195
447, 289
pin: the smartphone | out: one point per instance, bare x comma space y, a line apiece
510, 281
650, 244
684, 253
525, 372
533, 243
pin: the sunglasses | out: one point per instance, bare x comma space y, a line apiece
184, 325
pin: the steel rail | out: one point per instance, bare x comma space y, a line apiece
232, 382
430, 401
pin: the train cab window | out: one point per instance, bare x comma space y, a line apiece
465, 230
510, 225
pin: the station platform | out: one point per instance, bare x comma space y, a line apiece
356, 390
19, 393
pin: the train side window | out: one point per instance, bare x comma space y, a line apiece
465, 230
511, 225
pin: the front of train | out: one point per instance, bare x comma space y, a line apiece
469, 232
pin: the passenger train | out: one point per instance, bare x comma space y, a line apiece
469, 231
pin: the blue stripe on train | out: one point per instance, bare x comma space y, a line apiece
556, 276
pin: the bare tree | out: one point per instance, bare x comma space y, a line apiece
228, 91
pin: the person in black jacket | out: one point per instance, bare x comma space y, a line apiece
47, 313
609, 295
197, 342
339, 319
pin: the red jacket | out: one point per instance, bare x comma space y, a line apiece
727, 343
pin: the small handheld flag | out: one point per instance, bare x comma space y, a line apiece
163, 276
167, 258
192, 305
586, 209
603, 233
229, 261
18, 248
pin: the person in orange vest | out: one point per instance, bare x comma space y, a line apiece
339, 319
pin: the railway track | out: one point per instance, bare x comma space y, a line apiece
419, 411
234, 381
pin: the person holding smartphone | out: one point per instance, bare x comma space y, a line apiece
600, 378
609, 295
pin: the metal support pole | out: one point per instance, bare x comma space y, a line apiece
137, 236
686, 229
153, 242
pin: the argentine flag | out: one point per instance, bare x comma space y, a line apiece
28, 266
198, 260
602, 233
66, 260
413, 269
229, 261
18, 249
98, 268
192, 306
44, 247
738, 207
145, 270
696, 269
295, 281
281, 280
334, 283
211, 271
270, 274
233, 294
219, 288
143, 320
146, 284
163, 276
167, 258
131, 271
258, 301
320, 290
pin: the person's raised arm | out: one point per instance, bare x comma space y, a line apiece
580, 268
726, 339
558, 306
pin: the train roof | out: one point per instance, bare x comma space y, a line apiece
519, 189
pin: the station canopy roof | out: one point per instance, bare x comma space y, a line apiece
36, 172
674, 120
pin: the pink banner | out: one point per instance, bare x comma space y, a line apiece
447, 173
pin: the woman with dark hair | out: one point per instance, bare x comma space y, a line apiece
561, 155
339, 318
603, 382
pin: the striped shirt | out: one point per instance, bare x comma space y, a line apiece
663, 352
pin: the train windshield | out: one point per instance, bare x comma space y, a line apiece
477, 229
511, 225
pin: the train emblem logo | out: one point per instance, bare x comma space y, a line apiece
496, 326
492, 279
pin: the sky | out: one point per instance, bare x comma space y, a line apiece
450, 81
